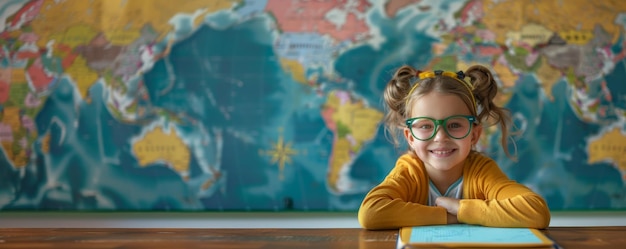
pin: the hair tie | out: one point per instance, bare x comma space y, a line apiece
460, 75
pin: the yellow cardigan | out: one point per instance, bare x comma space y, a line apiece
490, 198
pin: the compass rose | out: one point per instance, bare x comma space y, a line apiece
281, 154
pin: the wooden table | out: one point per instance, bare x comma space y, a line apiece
567, 237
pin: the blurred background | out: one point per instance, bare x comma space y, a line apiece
236, 113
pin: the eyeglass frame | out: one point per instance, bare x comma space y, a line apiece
440, 122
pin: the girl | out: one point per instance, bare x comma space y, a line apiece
441, 179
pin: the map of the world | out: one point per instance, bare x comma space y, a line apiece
275, 105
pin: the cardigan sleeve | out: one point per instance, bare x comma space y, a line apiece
495, 200
400, 200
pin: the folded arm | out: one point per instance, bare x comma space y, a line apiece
395, 203
504, 203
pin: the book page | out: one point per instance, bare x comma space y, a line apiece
462, 234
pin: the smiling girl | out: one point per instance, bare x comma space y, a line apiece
442, 179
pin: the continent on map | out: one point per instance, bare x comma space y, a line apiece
124, 21
517, 38
19, 107
14, 137
342, 20
527, 30
504, 16
611, 147
353, 123
158, 146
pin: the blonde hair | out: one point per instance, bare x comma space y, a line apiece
401, 91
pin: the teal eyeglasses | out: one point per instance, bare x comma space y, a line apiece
425, 128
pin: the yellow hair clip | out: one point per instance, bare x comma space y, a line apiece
459, 76
432, 74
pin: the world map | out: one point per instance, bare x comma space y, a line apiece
273, 105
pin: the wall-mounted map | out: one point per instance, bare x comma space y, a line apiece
274, 105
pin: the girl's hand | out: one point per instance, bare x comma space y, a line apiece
450, 204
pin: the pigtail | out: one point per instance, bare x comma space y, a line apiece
485, 90
395, 96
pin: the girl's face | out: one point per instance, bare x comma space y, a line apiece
442, 152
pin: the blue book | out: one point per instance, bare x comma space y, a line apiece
472, 236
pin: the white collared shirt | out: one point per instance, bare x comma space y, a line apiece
455, 191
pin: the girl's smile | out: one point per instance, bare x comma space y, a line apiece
442, 153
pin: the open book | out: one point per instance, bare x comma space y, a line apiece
462, 235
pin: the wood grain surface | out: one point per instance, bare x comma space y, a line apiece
566, 237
